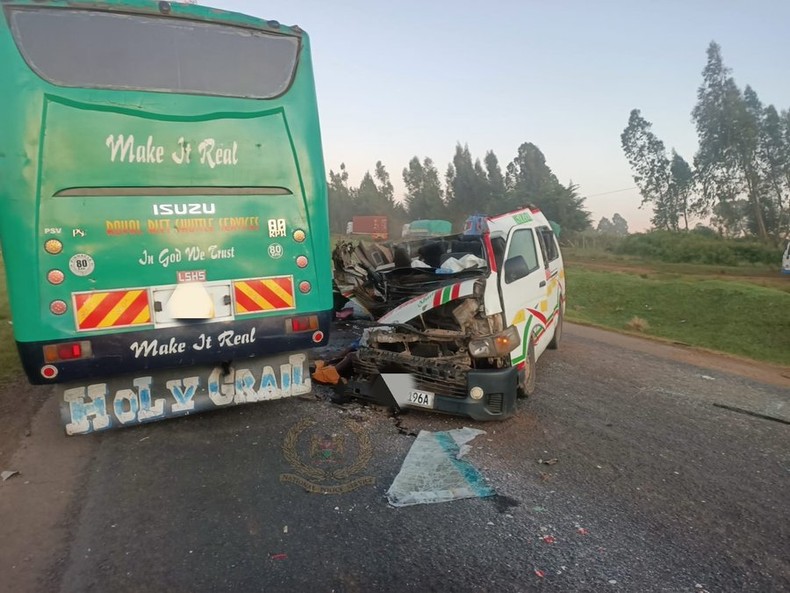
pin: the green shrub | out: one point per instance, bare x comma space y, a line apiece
699, 248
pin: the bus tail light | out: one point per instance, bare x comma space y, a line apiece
68, 351
301, 324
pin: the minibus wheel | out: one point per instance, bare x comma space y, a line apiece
526, 381
555, 339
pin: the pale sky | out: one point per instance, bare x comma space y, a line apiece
406, 78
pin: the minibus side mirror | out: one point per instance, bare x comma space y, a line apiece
515, 268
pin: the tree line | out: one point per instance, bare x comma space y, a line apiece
740, 175
469, 186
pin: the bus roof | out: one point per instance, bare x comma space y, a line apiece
172, 9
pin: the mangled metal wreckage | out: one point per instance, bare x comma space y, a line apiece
459, 320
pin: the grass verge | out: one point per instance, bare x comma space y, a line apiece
730, 316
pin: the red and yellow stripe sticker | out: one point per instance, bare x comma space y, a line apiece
111, 309
264, 294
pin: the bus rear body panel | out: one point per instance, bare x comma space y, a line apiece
154, 228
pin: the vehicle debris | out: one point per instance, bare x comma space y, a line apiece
325, 374
434, 471
460, 320
8, 474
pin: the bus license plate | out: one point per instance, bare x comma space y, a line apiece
424, 399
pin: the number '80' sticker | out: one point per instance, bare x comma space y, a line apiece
81, 264
275, 251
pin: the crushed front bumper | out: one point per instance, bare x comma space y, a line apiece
395, 390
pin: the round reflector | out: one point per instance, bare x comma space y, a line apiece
304, 287
318, 336
58, 307
301, 261
55, 276
49, 371
53, 246
299, 235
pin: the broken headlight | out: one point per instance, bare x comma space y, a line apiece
495, 345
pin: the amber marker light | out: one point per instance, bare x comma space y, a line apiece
58, 307
53, 246
299, 236
55, 276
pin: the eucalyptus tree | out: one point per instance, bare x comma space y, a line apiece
467, 186
529, 180
681, 186
651, 170
341, 200
424, 196
728, 130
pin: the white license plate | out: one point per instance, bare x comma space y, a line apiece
424, 399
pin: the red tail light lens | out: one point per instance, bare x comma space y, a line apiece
303, 324
68, 351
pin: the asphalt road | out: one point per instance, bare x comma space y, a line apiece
672, 473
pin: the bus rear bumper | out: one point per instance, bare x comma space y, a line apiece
138, 398
181, 346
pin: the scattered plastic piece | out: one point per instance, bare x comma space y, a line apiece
433, 470
538, 509
326, 374
549, 539
278, 556
551, 461
612, 582
8, 474
539, 573
582, 531
344, 314
285, 529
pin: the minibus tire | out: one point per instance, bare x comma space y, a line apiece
557, 337
527, 387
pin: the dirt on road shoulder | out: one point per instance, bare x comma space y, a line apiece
19, 402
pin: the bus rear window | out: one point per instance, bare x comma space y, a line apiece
93, 49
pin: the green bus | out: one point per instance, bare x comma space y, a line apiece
164, 209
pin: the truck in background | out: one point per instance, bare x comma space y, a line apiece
374, 227
426, 228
